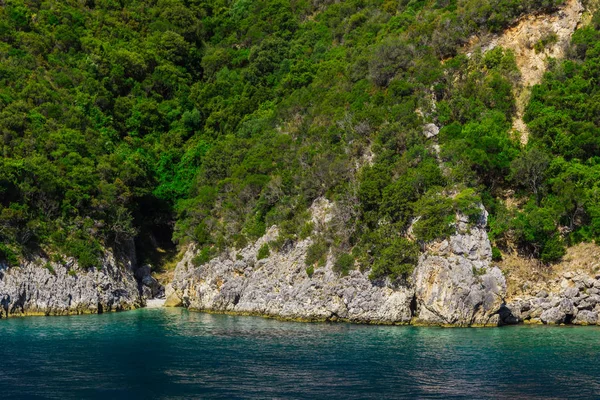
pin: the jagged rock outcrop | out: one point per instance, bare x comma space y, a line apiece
39, 287
149, 287
453, 284
572, 298
280, 287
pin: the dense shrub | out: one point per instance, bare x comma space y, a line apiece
316, 253
263, 252
343, 264
396, 260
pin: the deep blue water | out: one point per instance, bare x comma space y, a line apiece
173, 353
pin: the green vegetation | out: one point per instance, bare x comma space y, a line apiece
496, 254
310, 270
50, 268
168, 122
317, 253
396, 259
344, 264
544, 42
263, 252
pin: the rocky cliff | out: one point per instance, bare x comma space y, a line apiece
41, 287
453, 284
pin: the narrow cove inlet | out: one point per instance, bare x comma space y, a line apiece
177, 354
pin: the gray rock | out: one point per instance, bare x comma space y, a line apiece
149, 286
579, 306
589, 282
586, 317
459, 287
585, 305
553, 316
566, 306
571, 292
42, 288
430, 130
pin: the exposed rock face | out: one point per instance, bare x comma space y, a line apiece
430, 130
453, 284
149, 287
40, 288
574, 299
279, 286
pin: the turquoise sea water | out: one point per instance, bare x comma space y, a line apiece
173, 353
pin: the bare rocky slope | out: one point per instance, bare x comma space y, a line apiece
567, 292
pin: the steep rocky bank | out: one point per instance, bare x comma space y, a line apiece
453, 284
41, 287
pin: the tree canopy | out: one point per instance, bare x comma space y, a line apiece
209, 121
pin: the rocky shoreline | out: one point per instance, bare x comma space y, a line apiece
455, 283
41, 287
573, 298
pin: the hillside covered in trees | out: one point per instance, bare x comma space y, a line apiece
171, 121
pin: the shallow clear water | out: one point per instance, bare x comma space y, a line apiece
173, 353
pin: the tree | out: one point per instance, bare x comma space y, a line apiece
529, 170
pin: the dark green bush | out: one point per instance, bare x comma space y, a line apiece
553, 250
204, 255
8, 256
263, 252
468, 203
496, 254
343, 264
436, 217
310, 270
316, 252
398, 259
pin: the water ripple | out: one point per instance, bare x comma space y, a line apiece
175, 354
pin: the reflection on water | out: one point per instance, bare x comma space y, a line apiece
171, 353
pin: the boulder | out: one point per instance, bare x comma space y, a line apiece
553, 316
430, 130
586, 317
